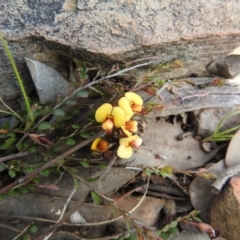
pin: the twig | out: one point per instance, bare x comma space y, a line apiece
23, 231
8, 227
63, 211
80, 202
222, 179
49, 164
12, 111
16, 155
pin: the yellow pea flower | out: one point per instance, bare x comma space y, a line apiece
110, 116
126, 144
100, 145
131, 103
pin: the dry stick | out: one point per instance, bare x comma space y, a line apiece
49, 164
17, 155
8, 227
222, 179
63, 211
23, 231
80, 202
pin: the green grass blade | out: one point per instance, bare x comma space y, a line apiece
20, 82
224, 119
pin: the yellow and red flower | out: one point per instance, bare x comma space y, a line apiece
100, 145
131, 103
110, 116
126, 145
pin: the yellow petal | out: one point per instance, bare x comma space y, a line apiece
103, 111
125, 105
124, 152
131, 126
134, 98
118, 116
99, 145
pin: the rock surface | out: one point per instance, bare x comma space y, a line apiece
225, 211
123, 30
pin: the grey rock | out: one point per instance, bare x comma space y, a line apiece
123, 30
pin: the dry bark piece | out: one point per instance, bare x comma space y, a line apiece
48, 82
160, 138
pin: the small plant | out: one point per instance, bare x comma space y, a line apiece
225, 135
118, 124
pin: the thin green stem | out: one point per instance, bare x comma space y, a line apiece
20, 82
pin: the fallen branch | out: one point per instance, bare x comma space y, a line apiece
12, 156
222, 179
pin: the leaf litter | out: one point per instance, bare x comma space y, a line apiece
169, 139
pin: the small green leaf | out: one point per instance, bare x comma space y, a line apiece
173, 224
29, 169
58, 112
73, 170
84, 164
12, 173
96, 198
173, 230
55, 148
5, 125
166, 228
147, 172
82, 94
93, 179
23, 190
45, 172
19, 146
65, 118
75, 126
85, 135
197, 219
102, 166
33, 229
44, 126
26, 237
9, 143
165, 235
2, 196
71, 102
74, 111
11, 134
70, 141
36, 180
30, 187
76, 183
13, 192
2, 167
32, 149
